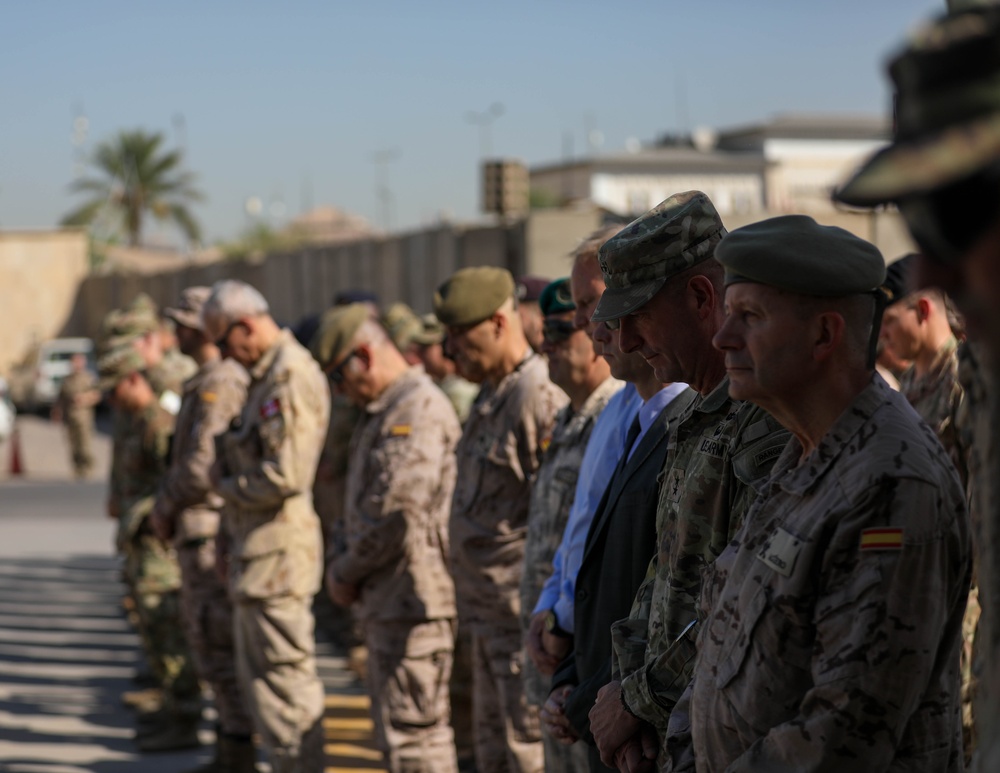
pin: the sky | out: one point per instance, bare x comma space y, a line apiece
292, 102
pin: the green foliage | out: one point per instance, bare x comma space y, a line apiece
134, 178
259, 239
543, 198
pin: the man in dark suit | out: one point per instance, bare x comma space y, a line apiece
622, 534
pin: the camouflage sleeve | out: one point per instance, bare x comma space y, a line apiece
408, 456
679, 744
186, 483
872, 664
630, 637
285, 464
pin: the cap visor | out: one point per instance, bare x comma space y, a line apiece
619, 302
916, 167
185, 318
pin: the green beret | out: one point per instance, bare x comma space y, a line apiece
432, 331
337, 329
795, 253
118, 363
471, 295
556, 298
677, 234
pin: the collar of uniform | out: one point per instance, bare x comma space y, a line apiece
715, 399
570, 422
392, 392
798, 477
263, 365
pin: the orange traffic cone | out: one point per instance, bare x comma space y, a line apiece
16, 468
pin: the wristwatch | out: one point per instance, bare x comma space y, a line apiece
552, 626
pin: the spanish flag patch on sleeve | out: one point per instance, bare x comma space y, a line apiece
400, 430
882, 539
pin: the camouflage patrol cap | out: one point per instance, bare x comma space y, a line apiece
471, 295
556, 298
947, 111
144, 304
432, 331
122, 326
336, 332
116, 364
187, 312
677, 234
401, 324
797, 254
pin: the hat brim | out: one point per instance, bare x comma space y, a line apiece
185, 318
620, 302
920, 166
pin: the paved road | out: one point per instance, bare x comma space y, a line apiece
66, 651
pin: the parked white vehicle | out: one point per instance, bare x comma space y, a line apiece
7, 412
53, 364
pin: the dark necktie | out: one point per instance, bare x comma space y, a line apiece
633, 432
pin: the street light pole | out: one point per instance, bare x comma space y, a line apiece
484, 120
383, 194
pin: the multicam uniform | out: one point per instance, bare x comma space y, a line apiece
720, 450
552, 496
498, 454
151, 568
269, 459
78, 418
832, 623
399, 490
212, 398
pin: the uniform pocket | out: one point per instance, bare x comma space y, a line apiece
738, 645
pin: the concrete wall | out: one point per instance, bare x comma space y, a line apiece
40, 272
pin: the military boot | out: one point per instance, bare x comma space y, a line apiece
233, 754
172, 734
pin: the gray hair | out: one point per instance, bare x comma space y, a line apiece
232, 299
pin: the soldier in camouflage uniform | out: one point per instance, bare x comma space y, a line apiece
498, 455
187, 513
940, 171
394, 565
429, 343
665, 288
264, 470
75, 408
832, 623
586, 378
151, 567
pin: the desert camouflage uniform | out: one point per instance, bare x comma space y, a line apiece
832, 624
79, 419
498, 455
269, 459
399, 489
151, 567
722, 448
552, 495
212, 398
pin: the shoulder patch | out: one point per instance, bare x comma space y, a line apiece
270, 408
400, 430
881, 539
546, 442
209, 397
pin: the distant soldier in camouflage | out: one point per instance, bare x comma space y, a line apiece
498, 454
586, 378
265, 469
940, 171
151, 567
394, 565
429, 346
78, 394
665, 289
187, 513
831, 625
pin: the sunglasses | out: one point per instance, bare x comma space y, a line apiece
223, 341
336, 375
555, 331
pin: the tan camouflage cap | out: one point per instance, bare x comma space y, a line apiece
187, 312
432, 331
677, 234
947, 83
797, 254
402, 324
337, 329
122, 326
118, 363
471, 295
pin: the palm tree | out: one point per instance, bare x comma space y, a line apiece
136, 177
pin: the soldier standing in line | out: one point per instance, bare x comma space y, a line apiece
78, 394
264, 470
498, 455
527, 290
187, 512
586, 378
151, 566
394, 566
665, 288
831, 625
